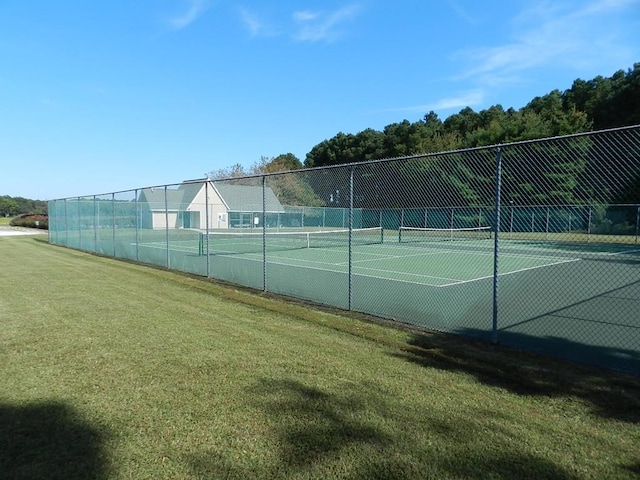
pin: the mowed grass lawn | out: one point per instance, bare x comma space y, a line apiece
112, 370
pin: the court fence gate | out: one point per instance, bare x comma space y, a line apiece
533, 245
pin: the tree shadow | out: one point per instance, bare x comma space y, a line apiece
49, 441
317, 433
316, 424
609, 394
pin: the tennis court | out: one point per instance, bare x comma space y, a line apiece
419, 249
428, 263
547, 299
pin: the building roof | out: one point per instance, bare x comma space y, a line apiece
237, 198
247, 198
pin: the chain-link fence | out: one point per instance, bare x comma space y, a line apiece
534, 244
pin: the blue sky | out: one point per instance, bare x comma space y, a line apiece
109, 95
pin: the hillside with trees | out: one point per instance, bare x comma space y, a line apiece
597, 104
13, 206
601, 103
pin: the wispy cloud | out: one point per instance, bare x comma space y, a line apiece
194, 10
461, 12
551, 36
469, 98
257, 25
322, 26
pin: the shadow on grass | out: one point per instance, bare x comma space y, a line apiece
314, 424
48, 441
357, 434
609, 395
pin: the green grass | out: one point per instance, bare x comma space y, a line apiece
5, 221
116, 370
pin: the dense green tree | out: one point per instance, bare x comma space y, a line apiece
10, 206
563, 178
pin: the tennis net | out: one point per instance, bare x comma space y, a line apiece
219, 242
415, 234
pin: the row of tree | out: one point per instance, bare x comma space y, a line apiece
569, 177
596, 104
13, 206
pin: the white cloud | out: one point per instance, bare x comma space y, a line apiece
195, 9
470, 98
322, 26
461, 12
257, 25
549, 35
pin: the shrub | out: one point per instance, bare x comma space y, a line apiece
31, 221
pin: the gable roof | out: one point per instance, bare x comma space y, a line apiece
247, 198
237, 198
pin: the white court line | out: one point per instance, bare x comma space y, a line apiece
454, 283
514, 271
624, 252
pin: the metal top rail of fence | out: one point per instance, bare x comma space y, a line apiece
546, 253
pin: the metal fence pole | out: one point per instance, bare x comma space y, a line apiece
166, 227
264, 233
66, 223
496, 244
79, 223
350, 235
95, 225
113, 223
207, 214
138, 220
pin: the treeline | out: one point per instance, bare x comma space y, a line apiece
582, 173
13, 206
590, 105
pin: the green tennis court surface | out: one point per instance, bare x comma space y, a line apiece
430, 266
548, 297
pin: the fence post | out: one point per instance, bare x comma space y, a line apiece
113, 223
496, 244
95, 225
66, 224
264, 233
207, 214
138, 220
166, 227
350, 235
79, 222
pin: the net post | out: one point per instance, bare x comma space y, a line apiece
589, 226
637, 222
546, 228
451, 224
496, 244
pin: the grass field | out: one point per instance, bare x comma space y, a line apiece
116, 370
